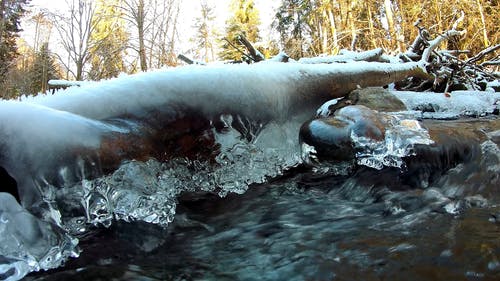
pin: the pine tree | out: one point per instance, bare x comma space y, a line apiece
108, 41
43, 69
11, 12
205, 33
292, 22
245, 21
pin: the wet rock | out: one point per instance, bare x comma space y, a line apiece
331, 136
357, 134
377, 98
495, 218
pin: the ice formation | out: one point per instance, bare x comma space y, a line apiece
28, 243
401, 136
51, 146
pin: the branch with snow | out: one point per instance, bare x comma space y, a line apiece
66, 83
252, 51
346, 56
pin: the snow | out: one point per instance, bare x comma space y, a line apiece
43, 139
66, 83
213, 87
324, 109
280, 57
345, 56
262, 90
491, 86
36, 134
454, 105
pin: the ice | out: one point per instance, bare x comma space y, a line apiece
56, 139
147, 191
28, 243
135, 191
52, 145
400, 137
324, 110
267, 155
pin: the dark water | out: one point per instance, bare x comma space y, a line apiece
438, 219
309, 227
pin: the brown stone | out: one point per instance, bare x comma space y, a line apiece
376, 98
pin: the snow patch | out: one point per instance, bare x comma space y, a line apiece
452, 106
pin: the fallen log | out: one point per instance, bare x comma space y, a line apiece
346, 56
70, 135
261, 91
252, 51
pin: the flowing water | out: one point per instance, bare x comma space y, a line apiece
224, 184
290, 231
266, 221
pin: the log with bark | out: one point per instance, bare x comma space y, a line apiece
138, 116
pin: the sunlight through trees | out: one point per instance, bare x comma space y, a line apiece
101, 39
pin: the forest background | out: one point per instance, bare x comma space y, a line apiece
100, 39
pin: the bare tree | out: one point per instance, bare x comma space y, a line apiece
156, 24
161, 41
135, 14
74, 30
205, 38
43, 29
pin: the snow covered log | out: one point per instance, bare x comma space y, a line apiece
262, 91
65, 83
57, 84
347, 56
52, 139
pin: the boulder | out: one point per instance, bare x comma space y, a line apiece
376, 98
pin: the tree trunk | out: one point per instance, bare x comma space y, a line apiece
370, 27
333, 30
390, 24
79, 71
486, 42
352, 25
140, 29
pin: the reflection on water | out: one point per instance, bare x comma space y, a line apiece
306, 227
436, 219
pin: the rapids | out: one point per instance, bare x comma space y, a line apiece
310, 225
150, 178
437, 218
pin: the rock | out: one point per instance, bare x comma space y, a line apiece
331, 136
377, 98
421, 152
